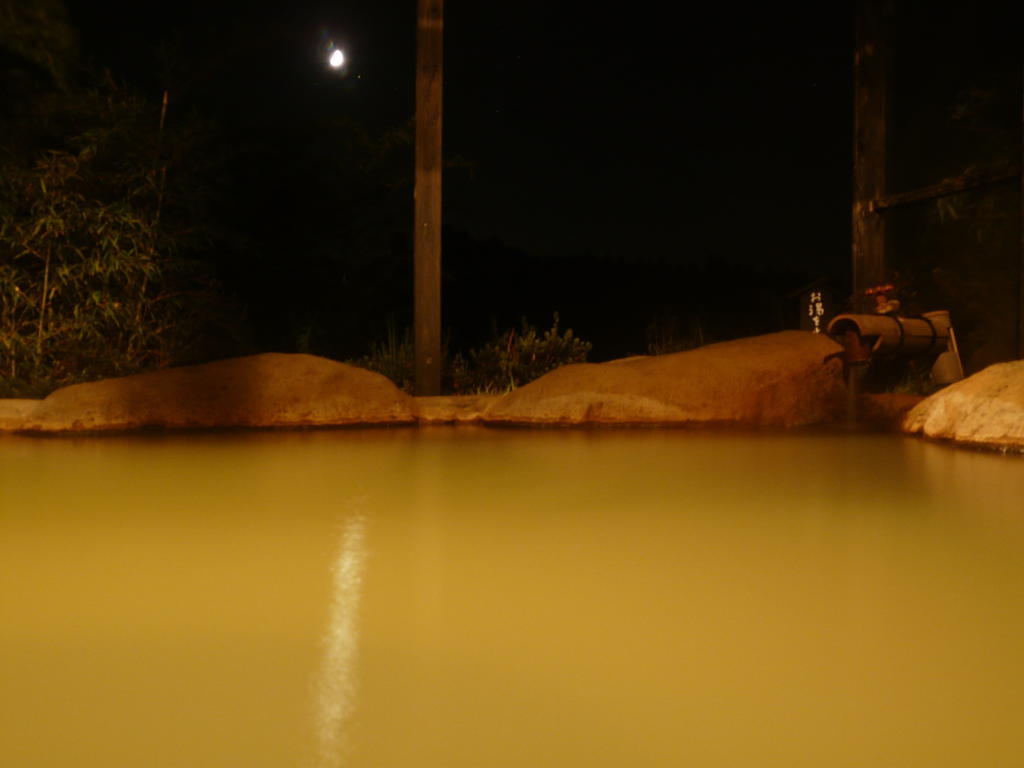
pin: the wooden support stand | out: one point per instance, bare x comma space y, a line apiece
427, 216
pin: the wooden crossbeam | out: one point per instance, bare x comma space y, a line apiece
951, 186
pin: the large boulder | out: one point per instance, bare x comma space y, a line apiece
269, 390
782, 379
984, 410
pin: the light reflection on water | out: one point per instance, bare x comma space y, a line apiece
457, 597
337, 695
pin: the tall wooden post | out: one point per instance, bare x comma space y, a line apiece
427, 229
869, 144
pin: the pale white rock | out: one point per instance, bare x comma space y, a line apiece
986, 409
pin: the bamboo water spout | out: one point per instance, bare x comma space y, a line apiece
867, 337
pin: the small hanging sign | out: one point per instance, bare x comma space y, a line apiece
816, 309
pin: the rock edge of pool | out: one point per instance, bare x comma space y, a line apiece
780, 380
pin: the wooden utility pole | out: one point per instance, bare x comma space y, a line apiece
869, 144
427, 225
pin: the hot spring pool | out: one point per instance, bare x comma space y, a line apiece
459, 597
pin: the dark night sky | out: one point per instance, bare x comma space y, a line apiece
655, 135
634, 132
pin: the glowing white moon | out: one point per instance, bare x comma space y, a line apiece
337, 58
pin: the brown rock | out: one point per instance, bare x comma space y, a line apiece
269, 390
14, 412
985, 410
454, 409
886, 410
782, 379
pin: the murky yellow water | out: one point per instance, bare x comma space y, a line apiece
457, 597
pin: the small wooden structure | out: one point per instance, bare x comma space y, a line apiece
896, 223
816, 305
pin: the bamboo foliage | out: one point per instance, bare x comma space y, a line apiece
90, 286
